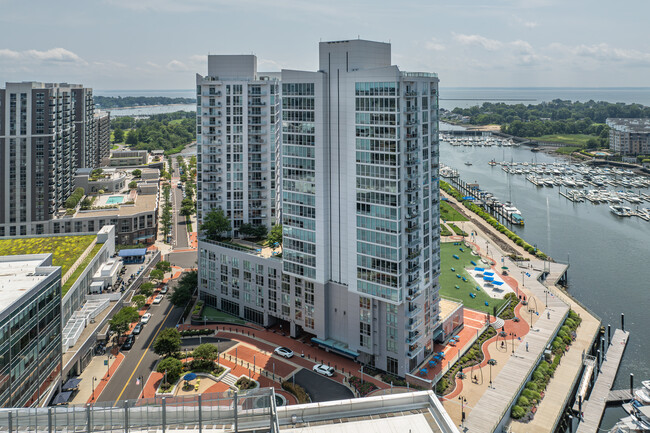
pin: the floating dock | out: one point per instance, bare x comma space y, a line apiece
594, 407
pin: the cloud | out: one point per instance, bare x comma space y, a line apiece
177, 66
478, 40
54, 55
602, 52
524, 23
193, 6
434, 45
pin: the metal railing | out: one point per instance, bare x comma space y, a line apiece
229, 409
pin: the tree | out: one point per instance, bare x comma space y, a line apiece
147, 289
168, 342
133, 184
137, 172
185, 289
187, 210
173, 367
121, 321
215, 223
157, 274
132, 137
592, 143
204, 356
118, 135
164, 266
275, 235
139, 301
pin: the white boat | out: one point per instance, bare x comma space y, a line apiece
638, 421
468, 163
643, 394
513, 214
622, 211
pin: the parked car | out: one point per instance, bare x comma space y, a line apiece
164, 290
128, 344
145, 318
284, 351
158, 299
324, 370
138, 329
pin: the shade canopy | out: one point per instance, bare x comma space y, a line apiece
488, 278
489, 273
71, 384
497, 283
469, 197
62, 398
189, 376
479, 269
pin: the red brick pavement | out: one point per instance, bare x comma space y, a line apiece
261, 360
104, 381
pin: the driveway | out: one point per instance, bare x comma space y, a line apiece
321, 388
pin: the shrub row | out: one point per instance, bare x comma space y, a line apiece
491, 220
296, 390
193, 332
74, 199
533, 391
509, 312
363, 388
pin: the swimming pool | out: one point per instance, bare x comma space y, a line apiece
115, 199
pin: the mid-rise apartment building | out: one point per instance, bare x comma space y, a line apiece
237, 140
30, 327
360, 213
102, 120
46, 133
629, 136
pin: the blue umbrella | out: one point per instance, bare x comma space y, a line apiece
189, 376
488, 278
489, 273
479, 269
497, 283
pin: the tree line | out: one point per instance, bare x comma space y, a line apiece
106, 102
170, 131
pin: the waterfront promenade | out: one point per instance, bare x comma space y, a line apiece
494, 403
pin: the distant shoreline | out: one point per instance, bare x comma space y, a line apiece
141, 106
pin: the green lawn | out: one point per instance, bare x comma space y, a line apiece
448, 213
77, 272
65, 249
573, 139
567, 150
444, 231
212, 314
457, 230
449, 280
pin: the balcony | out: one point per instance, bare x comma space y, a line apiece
411, 109
256, 103
415, 351
410, 94
413, 294
412, 228
414, 324
412, 188
412, 161
413, 213
414, 254
413, 283
416, 336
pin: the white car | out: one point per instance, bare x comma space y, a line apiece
284, 351
158, 299
145, 318
324, 370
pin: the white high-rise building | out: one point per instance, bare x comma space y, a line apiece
237, 140
360, 213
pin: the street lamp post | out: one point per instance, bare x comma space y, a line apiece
491, 362
546, 297
93, 386
463, 400
513, 335
142, 385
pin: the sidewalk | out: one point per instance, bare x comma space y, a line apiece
95, 369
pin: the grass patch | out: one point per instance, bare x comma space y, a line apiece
65, 249
448, 213
567, 150
449, 280
188, 223
572, 139
444, 231
82, 266
210, 313
457, 230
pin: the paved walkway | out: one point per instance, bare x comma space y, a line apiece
97, 370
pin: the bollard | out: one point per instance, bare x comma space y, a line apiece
609, 334
164, 414
235, 407
602, 346
632, 384
126, 416
580, 405
598, 360
10, 422
87, 419
49, 419
623, 321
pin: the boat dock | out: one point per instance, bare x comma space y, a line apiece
594, 407
619, 396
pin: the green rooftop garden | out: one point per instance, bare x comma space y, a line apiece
65, 249
449, 279
77, 272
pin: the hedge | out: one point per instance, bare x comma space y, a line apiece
296, 390
74, 199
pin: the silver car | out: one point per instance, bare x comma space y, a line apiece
324, 370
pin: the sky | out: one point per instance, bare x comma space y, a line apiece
161, 44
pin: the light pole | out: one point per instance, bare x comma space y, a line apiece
513, 335
546, 297
491, 362
463, 400
93, 385
142, 385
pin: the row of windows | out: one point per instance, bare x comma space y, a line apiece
377, 211
377, 237
377, 104
303, 211
298, 186
376, 145
377, 251
377, 264
295, 221
298, 198
377, 171
376, 119
302, 140
298, 127
301, 163
377, 88
377, 224
297, 89
306, 104
300, 151
377, 198
300, 234
378, 158
377, 131
389, 186
378, 291
377, 277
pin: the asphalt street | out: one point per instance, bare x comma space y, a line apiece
321, 388
185, 259
140, 360
179, 232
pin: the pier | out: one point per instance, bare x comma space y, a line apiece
594, 407
619, 396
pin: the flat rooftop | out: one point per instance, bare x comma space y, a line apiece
447, 307
18, 276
